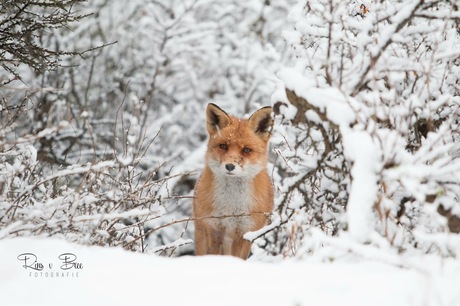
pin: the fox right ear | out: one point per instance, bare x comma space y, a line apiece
216, 118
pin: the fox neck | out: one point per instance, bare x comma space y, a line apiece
233, 198
233, 195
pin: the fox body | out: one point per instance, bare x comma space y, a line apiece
234, 194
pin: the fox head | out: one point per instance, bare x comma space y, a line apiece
237, 147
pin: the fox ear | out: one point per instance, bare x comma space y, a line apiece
216, 118
262, 122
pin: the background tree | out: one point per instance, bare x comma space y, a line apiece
22, 27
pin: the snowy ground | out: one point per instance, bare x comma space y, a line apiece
116, 277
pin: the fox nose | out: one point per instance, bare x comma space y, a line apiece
230, 167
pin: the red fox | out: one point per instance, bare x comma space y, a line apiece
234, 194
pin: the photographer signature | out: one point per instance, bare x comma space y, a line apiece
68, 261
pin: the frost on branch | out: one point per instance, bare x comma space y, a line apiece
22, 24
370, 126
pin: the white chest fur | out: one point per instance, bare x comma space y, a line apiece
233, 197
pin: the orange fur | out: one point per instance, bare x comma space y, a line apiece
234, 194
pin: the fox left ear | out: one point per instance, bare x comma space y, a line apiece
262, 122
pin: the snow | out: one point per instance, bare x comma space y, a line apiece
328, 100
361, 150
116, 277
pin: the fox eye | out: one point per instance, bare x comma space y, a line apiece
247, 150
223, 146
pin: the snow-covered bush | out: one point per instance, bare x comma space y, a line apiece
105, 202
369, 142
